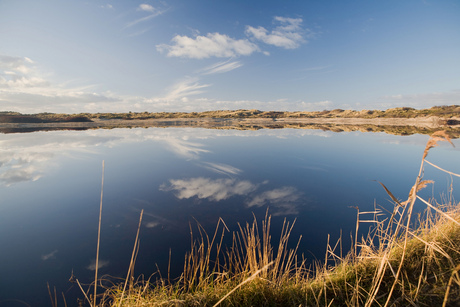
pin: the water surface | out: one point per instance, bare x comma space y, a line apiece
50, 185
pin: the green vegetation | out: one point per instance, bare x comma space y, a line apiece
398, 263
438, 111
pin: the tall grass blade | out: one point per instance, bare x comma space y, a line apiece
98, 237
131, 264
446, 171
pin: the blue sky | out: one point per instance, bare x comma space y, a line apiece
117, 56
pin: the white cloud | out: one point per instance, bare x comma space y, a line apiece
206, 188
146, 7
19, 73
221, 67
17, 64
288, 35
211, 45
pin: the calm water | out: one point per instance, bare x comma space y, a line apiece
50, 185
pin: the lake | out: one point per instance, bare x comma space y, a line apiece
50, 185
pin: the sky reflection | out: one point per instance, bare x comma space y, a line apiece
50, 184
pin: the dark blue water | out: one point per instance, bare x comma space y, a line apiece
50, 185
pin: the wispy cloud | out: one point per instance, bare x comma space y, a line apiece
316, 68
287, 35
153, 12
51, 255
211, 45
143, 19
221, 67
183, 89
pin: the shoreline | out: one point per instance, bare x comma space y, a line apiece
205, 122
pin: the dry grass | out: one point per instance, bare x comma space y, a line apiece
399, 263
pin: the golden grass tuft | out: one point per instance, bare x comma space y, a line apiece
398, 263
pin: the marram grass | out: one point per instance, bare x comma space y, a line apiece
396, 264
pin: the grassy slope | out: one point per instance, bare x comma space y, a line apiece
396, 265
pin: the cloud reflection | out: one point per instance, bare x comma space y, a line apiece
282, 201
221, 168
16, 175
186, 149
51, 255
101, 264
152, 224
28, 157
206, 188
